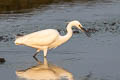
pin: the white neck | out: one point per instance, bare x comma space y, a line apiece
69, 33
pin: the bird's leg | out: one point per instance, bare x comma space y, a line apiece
45, 52
36, 53
45, 62
39, 62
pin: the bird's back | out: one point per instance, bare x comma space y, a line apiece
41, 38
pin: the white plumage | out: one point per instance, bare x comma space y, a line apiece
48, 38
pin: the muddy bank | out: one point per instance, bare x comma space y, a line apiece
22, 6
25, 6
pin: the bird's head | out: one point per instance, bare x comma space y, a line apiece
79, 26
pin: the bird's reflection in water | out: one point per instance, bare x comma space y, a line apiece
44, 71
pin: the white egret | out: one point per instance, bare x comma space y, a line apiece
48, 38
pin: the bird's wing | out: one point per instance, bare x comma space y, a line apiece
41, 38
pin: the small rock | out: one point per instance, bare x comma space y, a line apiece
76, 32
113, 23
1, 38
19, 34
105, 23
2, 60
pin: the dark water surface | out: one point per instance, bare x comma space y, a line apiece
82, 58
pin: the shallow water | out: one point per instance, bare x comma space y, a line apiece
85, 58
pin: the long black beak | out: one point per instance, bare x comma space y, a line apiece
85, 31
